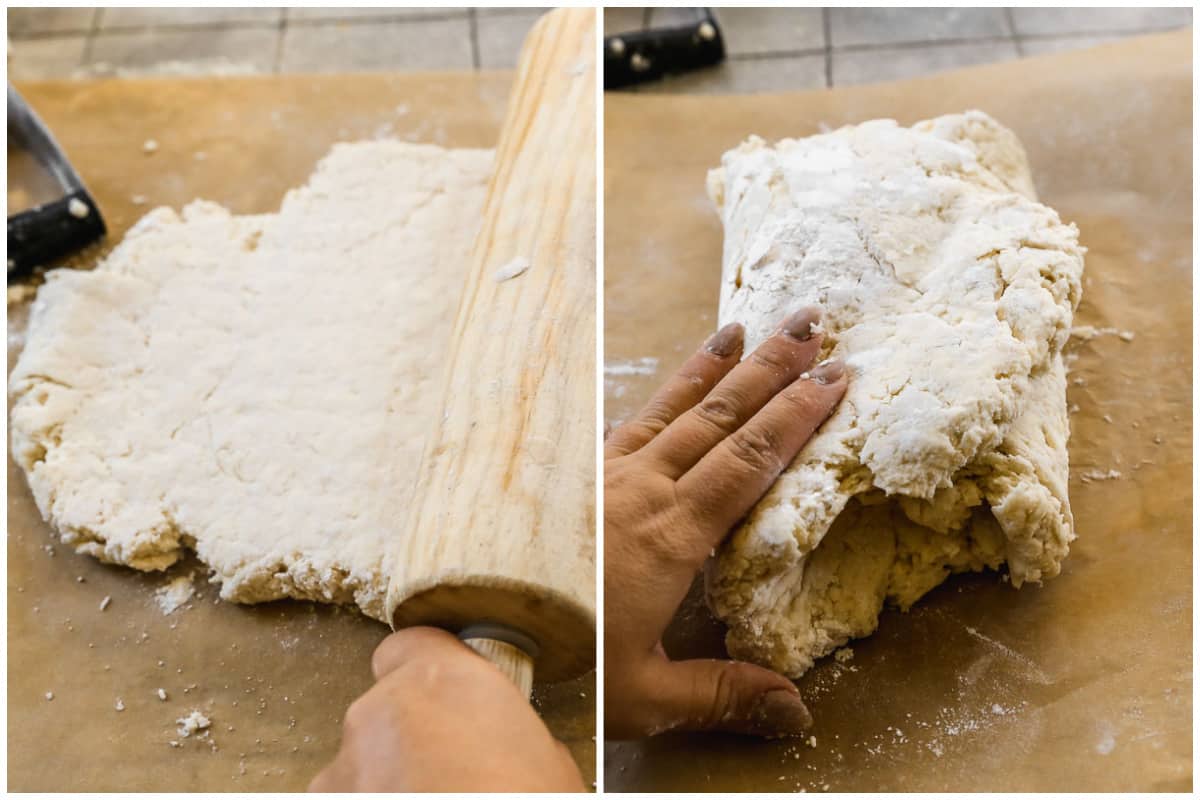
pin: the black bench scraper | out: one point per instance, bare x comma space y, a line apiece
59, 215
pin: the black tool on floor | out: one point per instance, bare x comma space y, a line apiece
59, 216
641, 56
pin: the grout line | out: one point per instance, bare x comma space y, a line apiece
247, 25
279, 40
827, 33
512, 11
89, 42
1028, 37
60, 33
1012, 30
767, 55
434, 16
866, 48
204, 27
1010, 22
473, 26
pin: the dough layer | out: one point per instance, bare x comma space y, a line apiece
950, 292
254, 388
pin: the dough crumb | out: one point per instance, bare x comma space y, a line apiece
138, 199
149, 146
49, 695
512, 269
174, 594
77, 208
812, 741
105, 602
162, 694
1099, 475
1125, 336
192, 723
843, 654
119, 705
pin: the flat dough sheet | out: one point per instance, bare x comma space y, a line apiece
950, 292
254, 388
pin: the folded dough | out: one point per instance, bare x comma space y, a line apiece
254, 388
949, 291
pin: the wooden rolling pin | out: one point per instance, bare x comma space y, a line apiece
500, 541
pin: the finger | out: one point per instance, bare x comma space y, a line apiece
683, 390
338, 776
710, 694
747, 388
728, 481
409, 644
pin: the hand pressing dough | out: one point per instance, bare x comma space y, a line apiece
254, 388
949, 291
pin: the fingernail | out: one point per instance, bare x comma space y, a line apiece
828, 371
726, 341
798, 324
781, 713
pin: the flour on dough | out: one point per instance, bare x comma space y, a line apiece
950, 292
254, 388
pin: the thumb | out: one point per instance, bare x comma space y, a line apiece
713, 694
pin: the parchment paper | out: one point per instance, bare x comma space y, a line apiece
274, 679
1085, 683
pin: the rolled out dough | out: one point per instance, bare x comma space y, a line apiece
255, 388
950, 292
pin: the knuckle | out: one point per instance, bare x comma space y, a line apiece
671, 547
775, 356
806, 403
655, 416
720, 410
722, 704
358, 716
757, 447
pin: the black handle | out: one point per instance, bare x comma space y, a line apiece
641, 56
50, 231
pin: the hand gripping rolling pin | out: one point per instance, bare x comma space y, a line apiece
500, 541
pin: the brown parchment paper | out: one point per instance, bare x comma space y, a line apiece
1085, 683
274, 679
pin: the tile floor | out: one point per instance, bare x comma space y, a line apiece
773, 49
90, 42
769, 49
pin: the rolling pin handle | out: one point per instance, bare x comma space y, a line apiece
511, 651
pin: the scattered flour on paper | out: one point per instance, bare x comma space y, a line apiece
174, 594
1086, 333
637, 366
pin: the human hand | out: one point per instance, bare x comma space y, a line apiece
440, 718
677, 478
